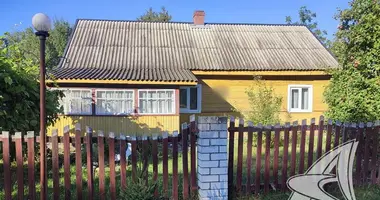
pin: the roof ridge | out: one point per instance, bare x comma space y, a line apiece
182, 22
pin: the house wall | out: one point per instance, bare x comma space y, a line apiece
225, 95
135, 124
127, 125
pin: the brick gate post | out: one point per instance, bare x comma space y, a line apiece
212, 158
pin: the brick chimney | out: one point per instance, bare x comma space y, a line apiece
199, 17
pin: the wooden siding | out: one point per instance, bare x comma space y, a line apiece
224, 95
128, 125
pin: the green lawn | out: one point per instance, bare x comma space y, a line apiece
364, 192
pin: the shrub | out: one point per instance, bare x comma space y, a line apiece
264, 104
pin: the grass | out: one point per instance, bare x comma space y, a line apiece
363, 192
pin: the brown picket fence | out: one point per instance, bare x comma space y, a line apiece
278, 152
88, 176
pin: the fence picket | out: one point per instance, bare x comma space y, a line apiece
7, 165
185, 172
111, 161
328, 136
134, 157
337, 133
346, 127
231, 157
320, 136
368, 137
20, 166
284, 174
239, 170
276, 154
123, 162
359, 155
54, 141
165, 163
66, 161
175, 166
258, 159
102, 191
302, 147
155, 161
193, 131
78, 161
267, 160
374, 153
90, 172
145, 158
294, 149
311, 143
249, 157
31, 174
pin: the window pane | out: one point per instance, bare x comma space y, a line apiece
114, 102
294, 99
143, 105
305, 99
170, 105
193, 99
183, 98
156, 101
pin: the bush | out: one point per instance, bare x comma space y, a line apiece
264, 104
140, 189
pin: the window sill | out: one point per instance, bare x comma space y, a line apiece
300, 111
189, 111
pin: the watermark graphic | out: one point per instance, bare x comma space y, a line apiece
309, 186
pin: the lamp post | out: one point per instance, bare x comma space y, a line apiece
42, 24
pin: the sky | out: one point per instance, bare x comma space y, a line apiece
17, 14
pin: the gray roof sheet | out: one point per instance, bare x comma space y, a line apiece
154, 46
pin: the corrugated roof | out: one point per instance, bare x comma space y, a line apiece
153, 74
134, 47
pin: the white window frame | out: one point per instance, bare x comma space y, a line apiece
166, 90
76, 89
300, 87
114, 114
199, 99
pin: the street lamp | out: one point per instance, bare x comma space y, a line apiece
42, 24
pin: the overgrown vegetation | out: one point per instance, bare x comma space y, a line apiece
28, 44
353, 93
140, 189
264, 103
19, 93
307, 18
153, 16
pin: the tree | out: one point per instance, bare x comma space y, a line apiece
19, 94
28, 44
353, 93
152, 16
307, 18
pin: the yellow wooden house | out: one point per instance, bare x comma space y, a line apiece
147, 77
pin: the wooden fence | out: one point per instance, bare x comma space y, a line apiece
72, 142
283, 151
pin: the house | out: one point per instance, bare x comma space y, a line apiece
146, 77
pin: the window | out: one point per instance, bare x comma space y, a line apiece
190, 99
114, 102
300, 98
156, 101
77, 101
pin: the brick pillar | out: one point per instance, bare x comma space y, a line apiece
212, 158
